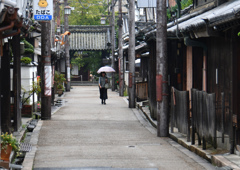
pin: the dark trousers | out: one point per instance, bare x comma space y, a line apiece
103, 93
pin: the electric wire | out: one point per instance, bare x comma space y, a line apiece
83, 5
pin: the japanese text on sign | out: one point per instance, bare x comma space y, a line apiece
43, 9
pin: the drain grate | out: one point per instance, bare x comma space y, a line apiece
25, 147
131, 146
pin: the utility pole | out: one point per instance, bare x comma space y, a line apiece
58, 33
113, 44
161, 70
67, 59
53, 45
46, 71
131, 54
120, 47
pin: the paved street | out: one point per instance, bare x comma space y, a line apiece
85, 133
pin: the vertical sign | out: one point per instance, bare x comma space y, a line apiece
43, 10
48, 80
68, 74
159, 88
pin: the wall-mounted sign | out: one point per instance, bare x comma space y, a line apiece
43, 10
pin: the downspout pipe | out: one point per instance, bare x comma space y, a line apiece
179, 8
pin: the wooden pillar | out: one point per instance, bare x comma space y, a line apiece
5, 91
131, 54
67, 48
46, 71
16, 82
162, 70
113, 43
52, 46
120, 47
189, 66
0, 91
204, 86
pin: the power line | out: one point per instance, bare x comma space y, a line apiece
83, 5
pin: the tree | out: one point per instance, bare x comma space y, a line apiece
93, 61
88, 12
78, 60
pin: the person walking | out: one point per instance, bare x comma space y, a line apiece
103, 80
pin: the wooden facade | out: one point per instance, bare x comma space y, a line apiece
205, 57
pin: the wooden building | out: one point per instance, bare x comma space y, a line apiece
203, 54
12, 14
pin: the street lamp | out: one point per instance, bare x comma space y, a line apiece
58, 29
67, 10
103, 20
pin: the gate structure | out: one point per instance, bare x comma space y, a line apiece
92, 37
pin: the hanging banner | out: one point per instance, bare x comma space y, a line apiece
43, 10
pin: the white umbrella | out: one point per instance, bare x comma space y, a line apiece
106, 69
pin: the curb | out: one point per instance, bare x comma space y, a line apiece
221, 161
29, 157
217, 160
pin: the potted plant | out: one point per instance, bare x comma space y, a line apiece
26, 60
59, 79
60, 89
8, 143
38, 106
26, 107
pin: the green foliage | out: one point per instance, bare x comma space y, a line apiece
26, 60
184, 4
9, 139
93, 61
125, 93
35, 88
29, 49
24, 126
59, 79
116, 79
78, 60
239, 34
89, 16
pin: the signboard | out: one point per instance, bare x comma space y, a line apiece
68, 74
43, 10
147, 3
48, 80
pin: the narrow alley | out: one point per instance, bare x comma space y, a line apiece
84, 134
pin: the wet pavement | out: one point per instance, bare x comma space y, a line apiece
86, 135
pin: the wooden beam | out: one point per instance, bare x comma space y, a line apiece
16, 82
5, 90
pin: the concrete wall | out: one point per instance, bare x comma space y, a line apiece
27, 79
